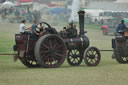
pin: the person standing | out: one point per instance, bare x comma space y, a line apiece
33, 30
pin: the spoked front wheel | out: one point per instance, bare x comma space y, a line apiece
92, 56
74, 57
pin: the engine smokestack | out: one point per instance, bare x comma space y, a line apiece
81, 22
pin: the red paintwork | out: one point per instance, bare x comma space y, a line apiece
25, 1
105, 28
21, 42
51, 5
42, 33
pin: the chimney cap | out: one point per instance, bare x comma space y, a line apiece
81, 12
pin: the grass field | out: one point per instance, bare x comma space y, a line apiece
108, 72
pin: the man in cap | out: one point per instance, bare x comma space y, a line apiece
121, 27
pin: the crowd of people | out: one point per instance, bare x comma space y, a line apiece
19, 13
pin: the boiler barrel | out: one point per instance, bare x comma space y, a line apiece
82, 42
74, 40
73, 43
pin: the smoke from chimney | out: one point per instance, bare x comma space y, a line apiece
75, 9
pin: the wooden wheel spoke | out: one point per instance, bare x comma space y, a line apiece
71, 58
76, 60
87, 58
71, 53
42, 56
54, 46
45, 45
59, 46
89, 54
56, 57
94, 61
90, 61
75, 51
50, 50
31, 62
124, 58
53, 59
96, 53
45, 58
92, 51
50, 43
58, 54
48, 60
92, 56
44, 52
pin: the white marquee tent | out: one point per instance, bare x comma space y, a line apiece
7, 4
121, 1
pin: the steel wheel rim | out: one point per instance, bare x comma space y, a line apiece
74, 57
52, 51
92, 56
122, 59
29, 62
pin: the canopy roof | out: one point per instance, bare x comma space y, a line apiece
121, 1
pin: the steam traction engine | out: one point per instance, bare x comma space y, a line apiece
52, 47
120, 46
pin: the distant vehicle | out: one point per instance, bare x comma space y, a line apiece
111, 19
58, 10
94, 14
120, 47
109, 26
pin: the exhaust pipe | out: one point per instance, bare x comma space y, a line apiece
81, 22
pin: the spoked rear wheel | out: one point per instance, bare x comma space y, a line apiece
29, 62
92, 56
121, 59
50, 51
74, 57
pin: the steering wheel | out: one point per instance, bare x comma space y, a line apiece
42, 25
